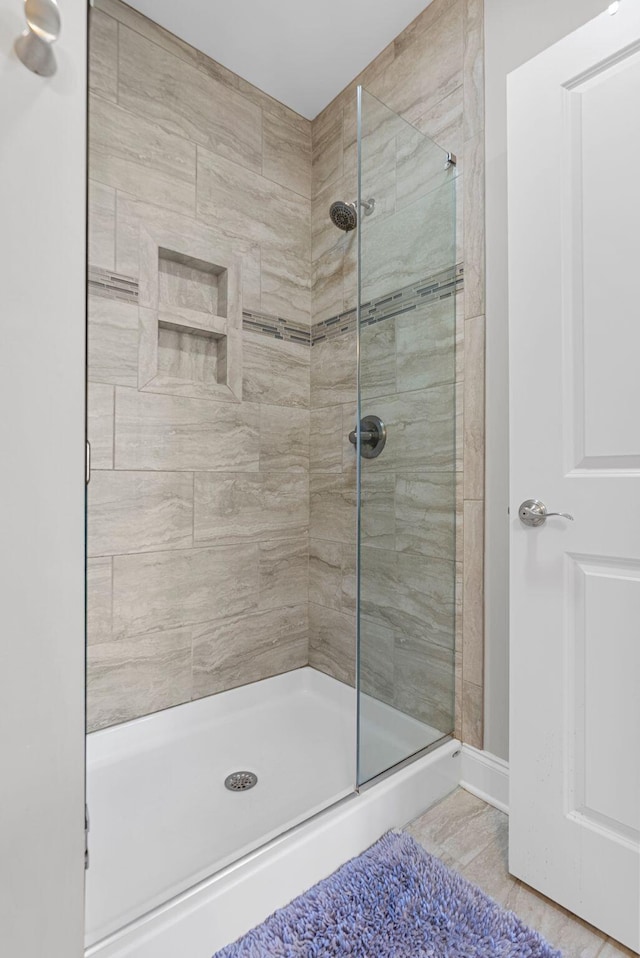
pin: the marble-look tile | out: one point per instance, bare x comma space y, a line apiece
474, 339
168, 590
490, 869
378, 359
564, 931
613, 949
274, 371
443, 122
473, 636
284, 572
112, 341
472, 713
269, 105
284, 439
332, 643
101, 222
326, 131
136, 155
327, 285
414, 595
100, 406
325, 237
248, 648
424, 681
460, 321
232, 508
420, 430
136, 676
474, 238
426, 346
458, 828
377, 662
332, 500
473, 67
286, 155
333, 371
325, 573
99, 586
459, 611
457, 713
168, 433
459, 427
185, 101
185, 286
286, 283
428, 68
420, 166
139, 512
326, 439
425, 514
349, 577
103, 55
253, 207
377, 509
423, 22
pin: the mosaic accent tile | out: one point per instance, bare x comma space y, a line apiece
276, 328
111, 285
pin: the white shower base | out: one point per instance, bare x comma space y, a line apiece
161, 818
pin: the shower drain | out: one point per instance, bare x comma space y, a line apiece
240, 781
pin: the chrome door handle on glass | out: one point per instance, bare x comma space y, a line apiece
373, 436
532, 512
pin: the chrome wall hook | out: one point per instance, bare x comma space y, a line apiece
33, 47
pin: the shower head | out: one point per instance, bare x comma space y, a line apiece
345, 215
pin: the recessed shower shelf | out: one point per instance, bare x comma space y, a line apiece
190, 321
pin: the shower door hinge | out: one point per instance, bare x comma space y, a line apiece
86, 836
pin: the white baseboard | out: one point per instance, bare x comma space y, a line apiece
486, 776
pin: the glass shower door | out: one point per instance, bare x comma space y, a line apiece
407, 282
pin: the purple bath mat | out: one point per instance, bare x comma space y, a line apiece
393, 901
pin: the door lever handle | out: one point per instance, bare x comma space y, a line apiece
533, 512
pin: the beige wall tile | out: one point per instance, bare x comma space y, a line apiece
425, 514
423, 22
378, 507
327, 165
325, 573
135, 676
99, 587
474, 341
136, 155
327, 286
426, 346
248, 648
325, 446
250, 507
287, 153
332, 643
420, 430
473, 68
168, 590
112, 341
286, 283
284, 573
139, 512
473, 640
333, 371
332, 504
103, 55
170, 433
157, 85
424, 679
100, 409
377, 662
284, 439
102, 225
274, 371
378, 359
474, 242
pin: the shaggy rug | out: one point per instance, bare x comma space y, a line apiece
393, 901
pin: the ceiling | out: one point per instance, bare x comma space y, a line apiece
300, 52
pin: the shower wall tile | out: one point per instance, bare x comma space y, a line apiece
112, 341
156, 85
378, 371
332, 504
132, 512
137, 156
425, 346
472, 646
286, 157
99, 588
100, 407
326, 439
249, 648
326, 573
137, 675
474, 239
422, 23
472, 714
168, 433
327, 162
102, 225
249, 507
168, 590
473, 68
419, 430
333, 371
284, 439
327, 286
284, 572
274, 372
103, 41
378, 514
377, 662
286, 284
424, 514
474, 340
332, 643
420, 665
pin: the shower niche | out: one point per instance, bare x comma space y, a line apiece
190, 320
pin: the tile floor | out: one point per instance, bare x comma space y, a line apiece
472, 837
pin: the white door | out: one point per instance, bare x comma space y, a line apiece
42, 334
574, 266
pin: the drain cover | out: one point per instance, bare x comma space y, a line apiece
240, 781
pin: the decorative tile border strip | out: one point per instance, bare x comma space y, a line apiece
442, 285
113, 285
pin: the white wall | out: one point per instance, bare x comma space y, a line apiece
515, 31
